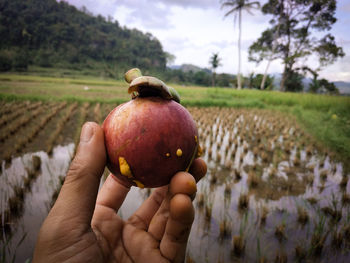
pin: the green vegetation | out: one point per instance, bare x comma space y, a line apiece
325, 117
56, 34
236, 7
292, 37
55, 38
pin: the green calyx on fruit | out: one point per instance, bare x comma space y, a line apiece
146, 86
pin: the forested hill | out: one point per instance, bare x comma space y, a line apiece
55, 34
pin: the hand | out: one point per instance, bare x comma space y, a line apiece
83, 226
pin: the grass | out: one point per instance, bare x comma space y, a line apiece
327, 118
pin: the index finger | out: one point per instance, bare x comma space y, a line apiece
112, 193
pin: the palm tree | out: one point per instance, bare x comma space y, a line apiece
214, 62
236, 7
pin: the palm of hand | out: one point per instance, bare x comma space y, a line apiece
156, 232
150, 233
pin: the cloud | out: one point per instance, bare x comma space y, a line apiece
202, 4
193, 29
338, 71
150, 14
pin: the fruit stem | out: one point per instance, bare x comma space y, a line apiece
132, 74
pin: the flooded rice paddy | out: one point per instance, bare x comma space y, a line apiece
271, 194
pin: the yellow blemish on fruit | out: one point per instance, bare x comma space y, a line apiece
124, 167
139, 184
179, 152
167, 154
196, 139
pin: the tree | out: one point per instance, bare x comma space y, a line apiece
256, 80
54, 33
236, 7
170, 58
214, 62
328, 87
296, 23
294, 82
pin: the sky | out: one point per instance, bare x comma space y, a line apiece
192, 30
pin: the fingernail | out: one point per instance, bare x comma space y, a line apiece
86, 132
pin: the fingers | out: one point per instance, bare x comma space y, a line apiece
112, 193
154, 212
198, 169
77, 197
144, 214
181, 183
178, 227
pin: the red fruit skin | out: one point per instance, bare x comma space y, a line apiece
148, 132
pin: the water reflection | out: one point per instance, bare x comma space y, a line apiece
36, 200
266, 197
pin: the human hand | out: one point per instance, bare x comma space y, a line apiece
83, 225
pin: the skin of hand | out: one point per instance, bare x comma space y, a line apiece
83, 225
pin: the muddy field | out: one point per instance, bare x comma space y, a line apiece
272, 193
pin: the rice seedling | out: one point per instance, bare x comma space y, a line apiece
22, 141
213, 178
303, 216
345, 199
296, 161
200, 200
318, 237
300, 253
218, 157
260, 257
309, 150
238, 175
227, 191
12, 115
224, 229
344, 182
238, 245
15, 205
243, 202
333, 213
253, 179
280, 232
346, 231
36, 161
323, 175
281, 257
264, 212
15, 126
229, 164
208, 211
337, 239
59, 127
309, 178
264, 157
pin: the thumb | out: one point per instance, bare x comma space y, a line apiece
77, 197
